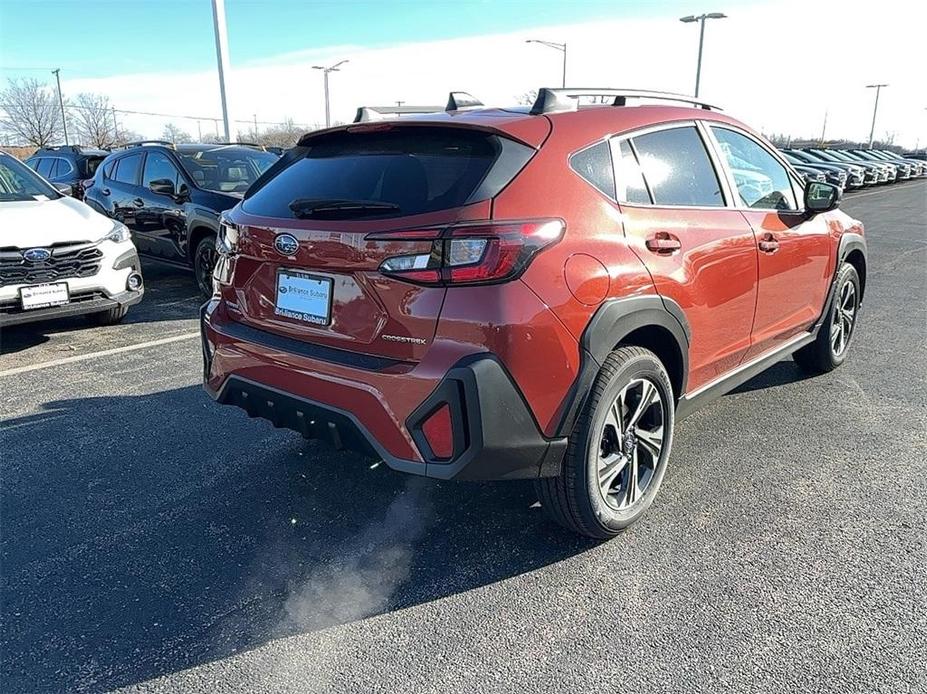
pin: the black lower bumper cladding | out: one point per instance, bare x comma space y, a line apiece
495, 435
79, 305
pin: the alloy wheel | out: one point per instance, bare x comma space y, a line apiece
206, 257
631, 441
844, 319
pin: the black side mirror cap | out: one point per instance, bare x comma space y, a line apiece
821, 197
162, 186
64, 188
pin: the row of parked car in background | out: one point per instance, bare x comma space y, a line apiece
167, 198
854, 168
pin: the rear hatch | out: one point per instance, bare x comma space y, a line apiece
310, 237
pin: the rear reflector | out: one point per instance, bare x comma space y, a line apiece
438, 431
471, 253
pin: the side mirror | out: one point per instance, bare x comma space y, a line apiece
821, 197
64, 188
162, 186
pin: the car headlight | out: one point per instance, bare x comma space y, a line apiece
118, 234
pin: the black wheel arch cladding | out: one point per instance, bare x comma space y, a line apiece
612, 323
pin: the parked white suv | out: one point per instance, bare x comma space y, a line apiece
58, 257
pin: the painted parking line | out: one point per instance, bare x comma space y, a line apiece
102, 353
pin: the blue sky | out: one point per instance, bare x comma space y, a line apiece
95, 38
766, 63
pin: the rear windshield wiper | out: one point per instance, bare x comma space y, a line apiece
305, 208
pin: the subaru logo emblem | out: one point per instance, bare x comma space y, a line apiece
37, 255
286, 244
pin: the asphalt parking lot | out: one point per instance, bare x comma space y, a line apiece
155, 541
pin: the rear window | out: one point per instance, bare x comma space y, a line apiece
401, 171
90, 166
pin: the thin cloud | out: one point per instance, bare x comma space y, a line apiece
778, 66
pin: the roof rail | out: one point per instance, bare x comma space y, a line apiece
57, 148
461, 100
558, 100
366, 114
139, 143
241, 144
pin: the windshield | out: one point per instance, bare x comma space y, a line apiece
229, 169
828, 156
18, 182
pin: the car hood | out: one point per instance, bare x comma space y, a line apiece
32, 223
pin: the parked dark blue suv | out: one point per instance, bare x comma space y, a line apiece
70, 164
170, 196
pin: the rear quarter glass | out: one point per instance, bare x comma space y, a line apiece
415, 170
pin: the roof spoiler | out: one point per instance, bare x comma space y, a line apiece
560, 100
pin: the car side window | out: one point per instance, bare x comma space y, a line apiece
109, 169
762, 182
44, 166
64, 168
629, 179
594, 164
127, 170
678, 169
158, 167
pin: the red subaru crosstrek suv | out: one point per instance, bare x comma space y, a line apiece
536, 293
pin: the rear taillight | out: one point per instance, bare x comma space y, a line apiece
439, 432
470, 253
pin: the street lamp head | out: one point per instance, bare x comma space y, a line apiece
689, 18
716, 15
873, 86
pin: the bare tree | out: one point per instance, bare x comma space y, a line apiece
283, 135
213, 139
175, 134
94, 120
123, 137
528, 98
31, 112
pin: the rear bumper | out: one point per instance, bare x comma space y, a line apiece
377, 410
79, 305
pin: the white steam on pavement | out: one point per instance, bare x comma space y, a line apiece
363, 579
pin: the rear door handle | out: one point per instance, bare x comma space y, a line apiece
663, 243
768, 244
138, 202
105, 191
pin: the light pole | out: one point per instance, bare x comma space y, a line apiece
562, 47
64, 120
325, 71
701, 38
222, 58
875, 109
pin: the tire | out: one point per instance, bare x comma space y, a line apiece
109, 317
204, 261
830, 348
575, 499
